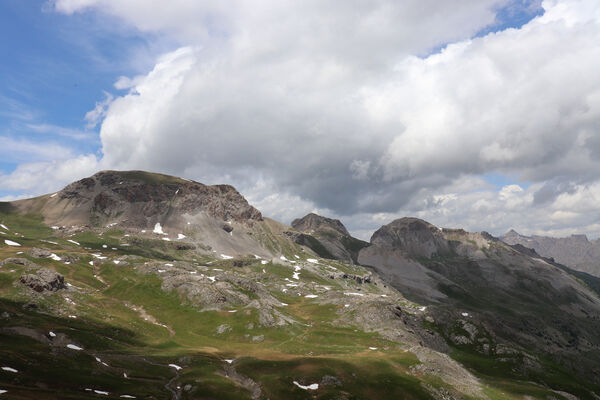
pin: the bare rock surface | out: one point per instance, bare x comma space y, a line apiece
44, 280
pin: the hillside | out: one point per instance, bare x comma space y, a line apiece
171, 289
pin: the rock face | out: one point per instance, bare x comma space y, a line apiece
513, 295
414, 236
327, 237
141, 199
575, 251
316, 223
44, 280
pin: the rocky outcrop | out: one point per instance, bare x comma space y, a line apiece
417, 238
44, 280
327, 237
316, 223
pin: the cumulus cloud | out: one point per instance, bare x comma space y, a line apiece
32, 177
342, 107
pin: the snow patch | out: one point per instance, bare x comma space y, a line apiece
166, 239
313, 386
9, 369
73, 347
55, 257
101, 392
158, 229
230, 361
296, 275
312, 260
465, 314
74, 242
181, 236
53, 195
4, 227
311, 296
52, 334
282, 258
116, 262
126, 396
226, 257
372, 348
354, 294
11, 243
177, 367
263, 262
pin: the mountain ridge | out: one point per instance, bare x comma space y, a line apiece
575, 251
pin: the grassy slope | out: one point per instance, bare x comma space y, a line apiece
107, 327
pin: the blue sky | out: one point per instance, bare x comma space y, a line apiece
54, 69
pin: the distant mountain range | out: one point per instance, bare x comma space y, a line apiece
129, 284
575, 251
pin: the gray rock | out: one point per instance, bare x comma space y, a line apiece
329, 380
40, 253
44, 280
223, 328
18, 261
259, 338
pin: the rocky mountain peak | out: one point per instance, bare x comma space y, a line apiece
313, 223
414, 236
141, 199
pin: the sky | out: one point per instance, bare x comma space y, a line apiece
480, 114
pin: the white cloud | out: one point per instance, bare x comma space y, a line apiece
338, 108
95, 116
33, 177
60, 131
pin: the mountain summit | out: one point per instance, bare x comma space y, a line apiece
327, 237
140, 199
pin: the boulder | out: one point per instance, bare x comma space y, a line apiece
44, 280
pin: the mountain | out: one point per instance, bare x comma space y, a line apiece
575, 251
140, 285
487, 296
327, 237
214, 218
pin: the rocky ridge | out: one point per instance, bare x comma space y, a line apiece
327, 237
575, 251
